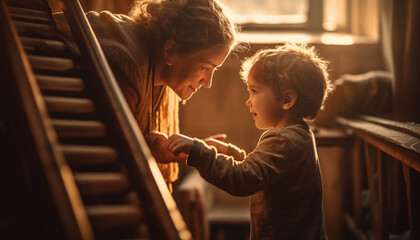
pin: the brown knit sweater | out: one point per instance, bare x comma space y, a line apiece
281, 176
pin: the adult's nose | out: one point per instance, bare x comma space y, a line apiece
207, 81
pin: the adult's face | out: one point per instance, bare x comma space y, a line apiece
186, 73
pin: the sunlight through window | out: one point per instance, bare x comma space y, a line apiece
269, 11
337, 40
334, 14
290, 12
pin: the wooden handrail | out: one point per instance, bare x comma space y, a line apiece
59, 177
375, 140
162, 208
397, 139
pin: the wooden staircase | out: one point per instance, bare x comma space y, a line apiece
102, 178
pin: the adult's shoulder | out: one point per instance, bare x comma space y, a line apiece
108, 17
123, 40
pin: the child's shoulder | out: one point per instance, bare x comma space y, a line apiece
290, 139
291, 128
289, 132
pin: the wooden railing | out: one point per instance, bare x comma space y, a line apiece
108, 131
164, 215
385, 169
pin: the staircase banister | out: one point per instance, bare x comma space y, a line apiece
166, 212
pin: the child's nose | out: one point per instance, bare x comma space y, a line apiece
248, 102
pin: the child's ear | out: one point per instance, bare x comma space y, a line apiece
289, 99
169, 49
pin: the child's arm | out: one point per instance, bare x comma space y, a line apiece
264, 166
179, 144
225, 148
218, 141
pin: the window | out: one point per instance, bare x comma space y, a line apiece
270, 11
317, 15
335, 15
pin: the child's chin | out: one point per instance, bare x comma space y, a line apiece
258, 126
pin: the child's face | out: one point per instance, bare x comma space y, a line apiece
266, 110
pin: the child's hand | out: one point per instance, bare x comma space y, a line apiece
218, 142
179, 143
157, 142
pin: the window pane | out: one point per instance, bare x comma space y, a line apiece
334, 14
269, 11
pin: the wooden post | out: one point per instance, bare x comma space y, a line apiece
371, 156
411, 182
357, 180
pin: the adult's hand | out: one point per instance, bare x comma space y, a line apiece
157, 142
180, 144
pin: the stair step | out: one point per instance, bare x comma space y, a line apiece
36, 29
51, 63
79, 128
29, 14
33, 4
89, 155
69, 105
57, 83
44, 45
96, 184
114, 216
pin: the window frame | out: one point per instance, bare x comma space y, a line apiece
314, 23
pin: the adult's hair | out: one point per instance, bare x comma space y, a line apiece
292, 66
192, 24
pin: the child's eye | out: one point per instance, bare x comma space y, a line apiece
204, 68
252, 91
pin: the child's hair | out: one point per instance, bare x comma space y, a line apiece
192, 24
296, 67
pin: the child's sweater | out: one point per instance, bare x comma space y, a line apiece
281, 176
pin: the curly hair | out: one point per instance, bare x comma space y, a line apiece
292, 66
192, 24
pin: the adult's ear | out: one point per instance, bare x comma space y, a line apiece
169, 49
289, 99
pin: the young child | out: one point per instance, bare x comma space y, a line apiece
287, 86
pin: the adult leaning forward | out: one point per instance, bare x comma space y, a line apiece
160, 52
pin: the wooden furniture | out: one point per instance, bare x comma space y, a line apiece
383, 180
207, 210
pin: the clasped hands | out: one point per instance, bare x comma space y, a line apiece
177, 147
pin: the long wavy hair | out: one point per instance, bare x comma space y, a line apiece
193, 24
